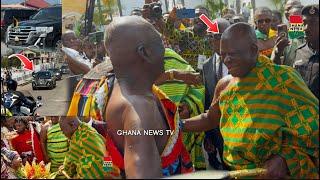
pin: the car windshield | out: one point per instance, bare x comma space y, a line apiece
43, 75
54, 70
48, 13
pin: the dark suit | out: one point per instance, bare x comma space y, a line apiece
210, 80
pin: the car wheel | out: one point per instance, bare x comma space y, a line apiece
34, 87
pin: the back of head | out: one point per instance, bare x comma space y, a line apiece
12, 85
263, 10
132, 42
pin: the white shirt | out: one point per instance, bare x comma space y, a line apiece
224, 67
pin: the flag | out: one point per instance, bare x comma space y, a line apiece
296, 28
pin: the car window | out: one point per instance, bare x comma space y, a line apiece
45, 74
48, 13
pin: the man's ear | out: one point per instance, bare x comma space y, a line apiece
144, 53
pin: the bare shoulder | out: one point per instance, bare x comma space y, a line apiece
223, 84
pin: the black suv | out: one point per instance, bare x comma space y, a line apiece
43, 79
8, 15
42, 30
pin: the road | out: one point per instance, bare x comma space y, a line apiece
55, 101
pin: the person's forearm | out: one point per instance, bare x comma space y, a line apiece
77, 67
198, 123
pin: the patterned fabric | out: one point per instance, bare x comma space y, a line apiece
180, 92
271, 111
264, 37
190, 45
175, 158
90, 97
57, 146
87, 151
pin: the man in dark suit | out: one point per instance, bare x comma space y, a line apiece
213, 71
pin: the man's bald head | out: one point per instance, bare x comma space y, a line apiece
132, 41
289, 4
238, 49
240, 31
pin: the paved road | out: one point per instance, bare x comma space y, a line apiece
55, 101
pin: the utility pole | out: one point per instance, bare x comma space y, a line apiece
119, 7
238, 6
182, 2
167, 5
89, 16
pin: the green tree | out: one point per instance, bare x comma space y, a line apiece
104, 11
279, 4
215, 7
12, 62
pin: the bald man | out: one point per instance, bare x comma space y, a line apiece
267, 115
289, 4
136, 105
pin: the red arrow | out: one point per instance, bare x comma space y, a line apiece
27, 64
213, 27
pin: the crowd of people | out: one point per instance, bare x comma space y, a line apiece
248, 94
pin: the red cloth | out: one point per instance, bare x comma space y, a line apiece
178, 153
23, 143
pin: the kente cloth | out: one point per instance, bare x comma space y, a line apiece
57, 146
28, 143
175, 158
260, 35
179, 92
86, 155
190, 44
271, 111
91, 94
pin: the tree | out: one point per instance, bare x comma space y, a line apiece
279, 4
215, 7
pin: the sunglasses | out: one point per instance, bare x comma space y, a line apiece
216, 36
260, 21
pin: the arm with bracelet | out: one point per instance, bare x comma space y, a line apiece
210, 119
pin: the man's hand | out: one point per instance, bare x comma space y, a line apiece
193, 78
281, 43
184, 111
276, 167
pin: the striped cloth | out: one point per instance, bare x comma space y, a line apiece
179, 92
271, 111
57, 146
85, 159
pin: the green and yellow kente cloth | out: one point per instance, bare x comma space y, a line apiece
260, 35
85, 159
57, 146
271, 111
179, 92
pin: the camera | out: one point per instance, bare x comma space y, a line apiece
155, 10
